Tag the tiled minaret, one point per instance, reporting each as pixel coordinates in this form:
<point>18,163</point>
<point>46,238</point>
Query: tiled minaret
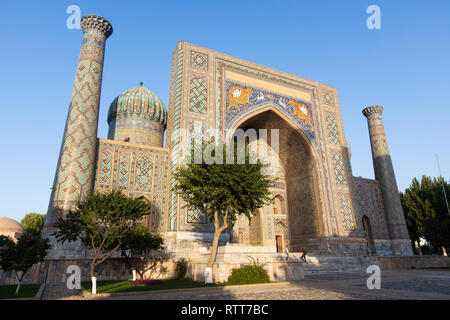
<point>74,177</point>
<point>384,174</point>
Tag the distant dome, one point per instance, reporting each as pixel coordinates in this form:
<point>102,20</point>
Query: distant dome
<point>10,227</point>
<point>140,101</point>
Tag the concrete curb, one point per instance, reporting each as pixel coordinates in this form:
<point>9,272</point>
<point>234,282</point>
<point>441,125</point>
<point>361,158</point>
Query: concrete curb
<point>86,293</point>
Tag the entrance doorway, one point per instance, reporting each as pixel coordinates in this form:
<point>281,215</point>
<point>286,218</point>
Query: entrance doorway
<point>279,242</point>
<point>369,237</point>
<point>301,177</point>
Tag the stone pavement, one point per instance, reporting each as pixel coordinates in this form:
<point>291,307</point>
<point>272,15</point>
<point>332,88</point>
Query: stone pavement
<point>408,284</point>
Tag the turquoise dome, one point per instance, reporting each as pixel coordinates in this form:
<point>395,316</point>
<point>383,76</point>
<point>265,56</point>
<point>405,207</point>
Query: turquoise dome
<point>138,101</point>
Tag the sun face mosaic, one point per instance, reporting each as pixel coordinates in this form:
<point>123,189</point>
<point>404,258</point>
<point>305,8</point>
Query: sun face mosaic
<point>241,98</point>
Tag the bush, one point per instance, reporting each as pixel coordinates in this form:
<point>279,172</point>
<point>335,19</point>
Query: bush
<point>145,282</point>
<point>181,269</point>
<point>249,274</point>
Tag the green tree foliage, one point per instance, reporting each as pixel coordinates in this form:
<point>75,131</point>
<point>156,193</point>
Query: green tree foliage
<point>142,249</point>
<point>101,221</point>
<point>426,211</point>
<point>225,191</point>
<point>20,256</point>
<point>33,221</point>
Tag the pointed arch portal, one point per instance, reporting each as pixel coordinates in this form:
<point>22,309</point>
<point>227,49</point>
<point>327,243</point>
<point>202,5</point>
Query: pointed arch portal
<point>297,157</point>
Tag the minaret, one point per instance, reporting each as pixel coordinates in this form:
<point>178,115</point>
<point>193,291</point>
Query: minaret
<point>74,177</point>
<point>384,174</point>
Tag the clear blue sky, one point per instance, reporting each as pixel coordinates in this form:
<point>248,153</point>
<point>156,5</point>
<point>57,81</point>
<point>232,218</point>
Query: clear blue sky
<point>405,67</point>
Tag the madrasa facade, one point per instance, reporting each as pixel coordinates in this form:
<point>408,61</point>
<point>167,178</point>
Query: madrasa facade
<point>319,206</point>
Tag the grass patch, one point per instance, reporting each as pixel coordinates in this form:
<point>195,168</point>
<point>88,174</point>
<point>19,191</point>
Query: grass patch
<point>125,286</point>
<point>26,291</point>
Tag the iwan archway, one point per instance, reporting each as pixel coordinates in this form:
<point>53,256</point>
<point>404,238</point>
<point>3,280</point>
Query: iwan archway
<point>298,180</point>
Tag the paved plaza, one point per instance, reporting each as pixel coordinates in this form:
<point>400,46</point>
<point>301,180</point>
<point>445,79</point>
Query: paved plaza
<point>395,285</point>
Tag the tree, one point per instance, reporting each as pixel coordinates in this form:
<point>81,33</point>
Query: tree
<point>142,249</point>
<point>225,191</point>
<point>426,211</point>
<point>33,221</point>
<point>101,221</point>
<point>20,256</point>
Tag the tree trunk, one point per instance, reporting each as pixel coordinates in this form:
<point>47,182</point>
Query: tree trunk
<point>444,251</point>
<point>420,248</point>
<point>215,245</point>
<point>19,279</point>
<point>217,231</point>
<point>92,268</point>
<point>18,287</point>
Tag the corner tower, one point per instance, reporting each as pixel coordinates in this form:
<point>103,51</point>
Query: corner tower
<point>74,177</point>
<point>384,174</point>
<point>137,116</point>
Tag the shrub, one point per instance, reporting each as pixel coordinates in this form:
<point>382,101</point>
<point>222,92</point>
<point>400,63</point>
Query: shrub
<point>249,274</point>
<point>146,282</point>
<point>181,269</point>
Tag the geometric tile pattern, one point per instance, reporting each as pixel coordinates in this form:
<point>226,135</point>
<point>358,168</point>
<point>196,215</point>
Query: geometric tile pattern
<point>328,98</point>
<point>198,95</point>
<point>199,60</point>
<point>333,135</point>
<point>75,171</point>
<point>177,89</point>
<point>105,168</point>
<point>197,130</point>
<point>139,171</point>
<point>194,216</point>
<point>144,172</point>
<point>339,169</point>
<point>346,213</point>
<point>367,200</point>
<point>123,171</point>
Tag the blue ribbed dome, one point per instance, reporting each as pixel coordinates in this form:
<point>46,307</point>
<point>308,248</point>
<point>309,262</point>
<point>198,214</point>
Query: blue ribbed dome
<point>138,101</point>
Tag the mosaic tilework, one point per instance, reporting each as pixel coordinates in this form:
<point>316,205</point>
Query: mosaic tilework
<point>105,169</point>
<point>198,95</point>
<point>242,98</point>
<point>328,98</point>
<point>199,60</point>
<point>339,169</point>
<point>197,130</point>
<point>143,172</point>
<point>138,171</point>
<point>307,220</point>
<point>173,133</point>
<point>123,170</point>
<point>75,171</point>
<point>348,221</point>
<point>196,217</point>
<point>138,116</point>
<point>367,200</point>
<point>384,173</point>
<point>332,130</point>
